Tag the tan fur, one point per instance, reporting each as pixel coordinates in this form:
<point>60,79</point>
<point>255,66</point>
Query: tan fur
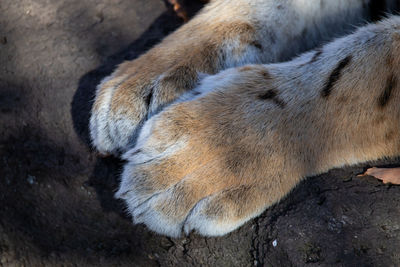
<point>243,138</point>
<point>248,142</point>
<point>225,34</point>
<point>138,87</point>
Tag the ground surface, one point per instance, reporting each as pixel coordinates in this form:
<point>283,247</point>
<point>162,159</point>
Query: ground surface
<point>56,205</point>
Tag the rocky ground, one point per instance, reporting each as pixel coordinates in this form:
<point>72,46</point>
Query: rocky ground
<point>56,204</point>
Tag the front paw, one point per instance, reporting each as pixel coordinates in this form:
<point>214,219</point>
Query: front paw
<point>141,88</point>
<point>190,171</point>
<point>128,97</point>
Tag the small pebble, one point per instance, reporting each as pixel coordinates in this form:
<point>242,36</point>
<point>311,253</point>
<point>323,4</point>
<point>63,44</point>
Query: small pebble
<point>31,179</point>
<point>275,243</point>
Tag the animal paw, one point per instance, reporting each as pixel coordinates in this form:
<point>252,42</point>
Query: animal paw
<point>139,89</point>
<point>194,168</point>
<point>129,96</point>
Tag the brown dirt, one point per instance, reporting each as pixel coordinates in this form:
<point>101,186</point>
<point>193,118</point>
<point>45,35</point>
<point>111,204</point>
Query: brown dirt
<point>56,204</point>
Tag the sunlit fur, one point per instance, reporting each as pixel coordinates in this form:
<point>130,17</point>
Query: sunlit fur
<point>225,34</point>
<point>216,159</point>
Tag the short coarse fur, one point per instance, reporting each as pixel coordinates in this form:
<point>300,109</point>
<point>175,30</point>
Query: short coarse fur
<point>215,161</point>
<point>225,34</point>
<point>243,138</point>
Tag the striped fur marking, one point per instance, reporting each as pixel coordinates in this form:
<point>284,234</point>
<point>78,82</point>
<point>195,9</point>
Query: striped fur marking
<point>335,76</point>
<point>273,95</point>
<point>386,94</point>
<point>318,53</point>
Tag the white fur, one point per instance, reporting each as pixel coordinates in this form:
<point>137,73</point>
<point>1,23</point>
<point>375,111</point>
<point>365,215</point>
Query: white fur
<point>203,225</point>
<point>99,121</point>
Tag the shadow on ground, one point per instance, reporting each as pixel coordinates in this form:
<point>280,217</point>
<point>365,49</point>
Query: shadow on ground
<point>105,176</point>
<point>56,196</point>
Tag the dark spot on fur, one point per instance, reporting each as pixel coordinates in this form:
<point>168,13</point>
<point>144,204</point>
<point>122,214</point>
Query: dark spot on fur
<point>136,152</point>
<point>377,9</point>
<point>273,95</point>
<point>265,74</point>
<point>148,98</point>
<point>387,92</point>
<point>257,45</point>
<point>196,93</point>
<point>318,53</point>
<point>335,76</point>
<point>316,56</point>
<point>268,95</point>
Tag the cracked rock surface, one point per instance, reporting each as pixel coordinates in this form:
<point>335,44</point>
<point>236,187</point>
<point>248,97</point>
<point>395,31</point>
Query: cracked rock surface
<point>56,204</point>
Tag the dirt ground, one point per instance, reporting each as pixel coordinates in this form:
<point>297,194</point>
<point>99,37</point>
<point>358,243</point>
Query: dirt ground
<point>56,204</point>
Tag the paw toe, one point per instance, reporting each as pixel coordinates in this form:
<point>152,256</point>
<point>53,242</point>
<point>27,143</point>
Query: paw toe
<point>115,116</point>
<point>225,211</point>
<point>176,180</point>
<point>99,129</point>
